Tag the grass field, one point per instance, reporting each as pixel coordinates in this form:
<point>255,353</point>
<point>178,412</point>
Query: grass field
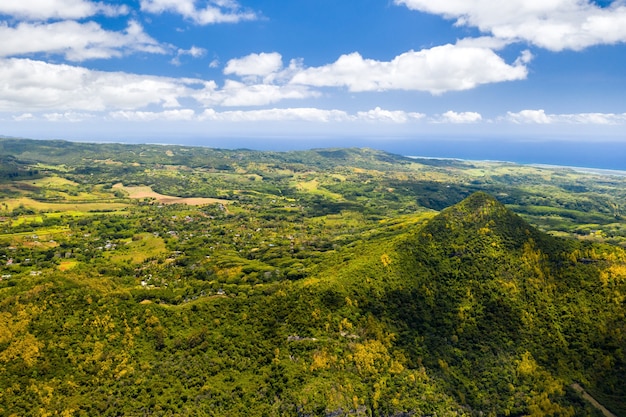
<point>51,182</point>
<point>140,248</point>
<point>141,192</point>
<point>313,187</point>
<point>41,236</point>
<point>29,203</point>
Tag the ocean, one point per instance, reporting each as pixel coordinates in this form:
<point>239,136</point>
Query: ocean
<point>598,154</point>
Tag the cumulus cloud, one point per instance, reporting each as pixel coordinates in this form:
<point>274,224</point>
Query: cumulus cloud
<point>70,116</point>
<point>274,115</point>
<point>555,25</point>
<point>463,117</point>
<point>594,118</point>
<point>28,85</point>
<point>530,116</point>
<point>76,41</point>
<point>58,9</point>
<point>255,64</point>
<point>302,114</point>
<point>23,117</point>
<point>306,114</point>
<point>436,70</point>
<point>147,116</point>
<point>215,11</point>
<point>310,115</point>
<point>235,93</point>
<point>394,116</point>
<point>540,117</point>
<point>194,52</point>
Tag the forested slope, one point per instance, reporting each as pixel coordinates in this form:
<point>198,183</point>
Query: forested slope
<point>472,312</point>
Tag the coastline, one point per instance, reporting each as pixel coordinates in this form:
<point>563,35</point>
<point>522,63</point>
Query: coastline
<point>586,170</point>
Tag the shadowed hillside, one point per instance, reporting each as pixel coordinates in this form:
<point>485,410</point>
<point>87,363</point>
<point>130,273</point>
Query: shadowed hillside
<point>509,316</point>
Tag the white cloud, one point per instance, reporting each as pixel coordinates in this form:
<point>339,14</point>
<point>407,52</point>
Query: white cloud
<point>488,42</point>
<point>235,93</point>
<point>551,24</point>
<point>377,117</point>
<point>70,116</point>
<point>436,70</point>
<point>540,117</point>
<point>58,9</point>
<point>312,115</point>
<point>594,118</point>
<point>28,85</point>
<point>146,116</point>
<point>255,64</point>
<point>381,115</point>
<point>463,117</point>
<point>529,116</point>
<point>194,52</point>
<point>215,11</point>
<point>307,114</point>
<point>273,115</point>
<point>76,41</point>
<point>23,117</point>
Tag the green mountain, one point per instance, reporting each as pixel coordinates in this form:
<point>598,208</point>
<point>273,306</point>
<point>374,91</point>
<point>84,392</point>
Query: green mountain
<point>492,297</point>
<point>473,312</point>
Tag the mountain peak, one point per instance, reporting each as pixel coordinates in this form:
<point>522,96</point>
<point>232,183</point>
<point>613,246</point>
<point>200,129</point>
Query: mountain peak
<point>480,203</point>
<point>476,210</point>
<point>480,216</point>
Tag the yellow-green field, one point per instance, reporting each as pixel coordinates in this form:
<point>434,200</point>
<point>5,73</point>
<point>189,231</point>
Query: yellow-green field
<point>40,237</point>
<point>141,192</point>
<point>41,206</point>
<point>138,249</point>
<point>313,187</point>
<point>51,182</point>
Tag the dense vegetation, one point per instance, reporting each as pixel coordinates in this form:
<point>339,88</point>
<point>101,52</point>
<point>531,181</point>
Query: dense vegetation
<point>154,280</point>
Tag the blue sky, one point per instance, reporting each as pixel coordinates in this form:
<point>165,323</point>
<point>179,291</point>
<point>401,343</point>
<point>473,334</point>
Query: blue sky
<point>304,73</point>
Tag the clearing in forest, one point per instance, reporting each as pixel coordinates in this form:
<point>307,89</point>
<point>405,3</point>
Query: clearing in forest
<point>140,192</point>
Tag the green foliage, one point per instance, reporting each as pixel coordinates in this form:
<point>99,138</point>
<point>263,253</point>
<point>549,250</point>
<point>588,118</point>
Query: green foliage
<point>327,286</point>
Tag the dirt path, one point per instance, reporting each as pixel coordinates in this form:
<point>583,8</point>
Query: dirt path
<point>592,400</point>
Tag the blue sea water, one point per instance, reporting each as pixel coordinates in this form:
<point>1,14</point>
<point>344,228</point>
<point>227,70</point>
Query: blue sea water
<point>599,154</point>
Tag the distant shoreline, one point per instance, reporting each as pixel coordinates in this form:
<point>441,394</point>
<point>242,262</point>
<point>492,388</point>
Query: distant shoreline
<point>599,160</point>
<point>588,170</point>
<point>599,171</point>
